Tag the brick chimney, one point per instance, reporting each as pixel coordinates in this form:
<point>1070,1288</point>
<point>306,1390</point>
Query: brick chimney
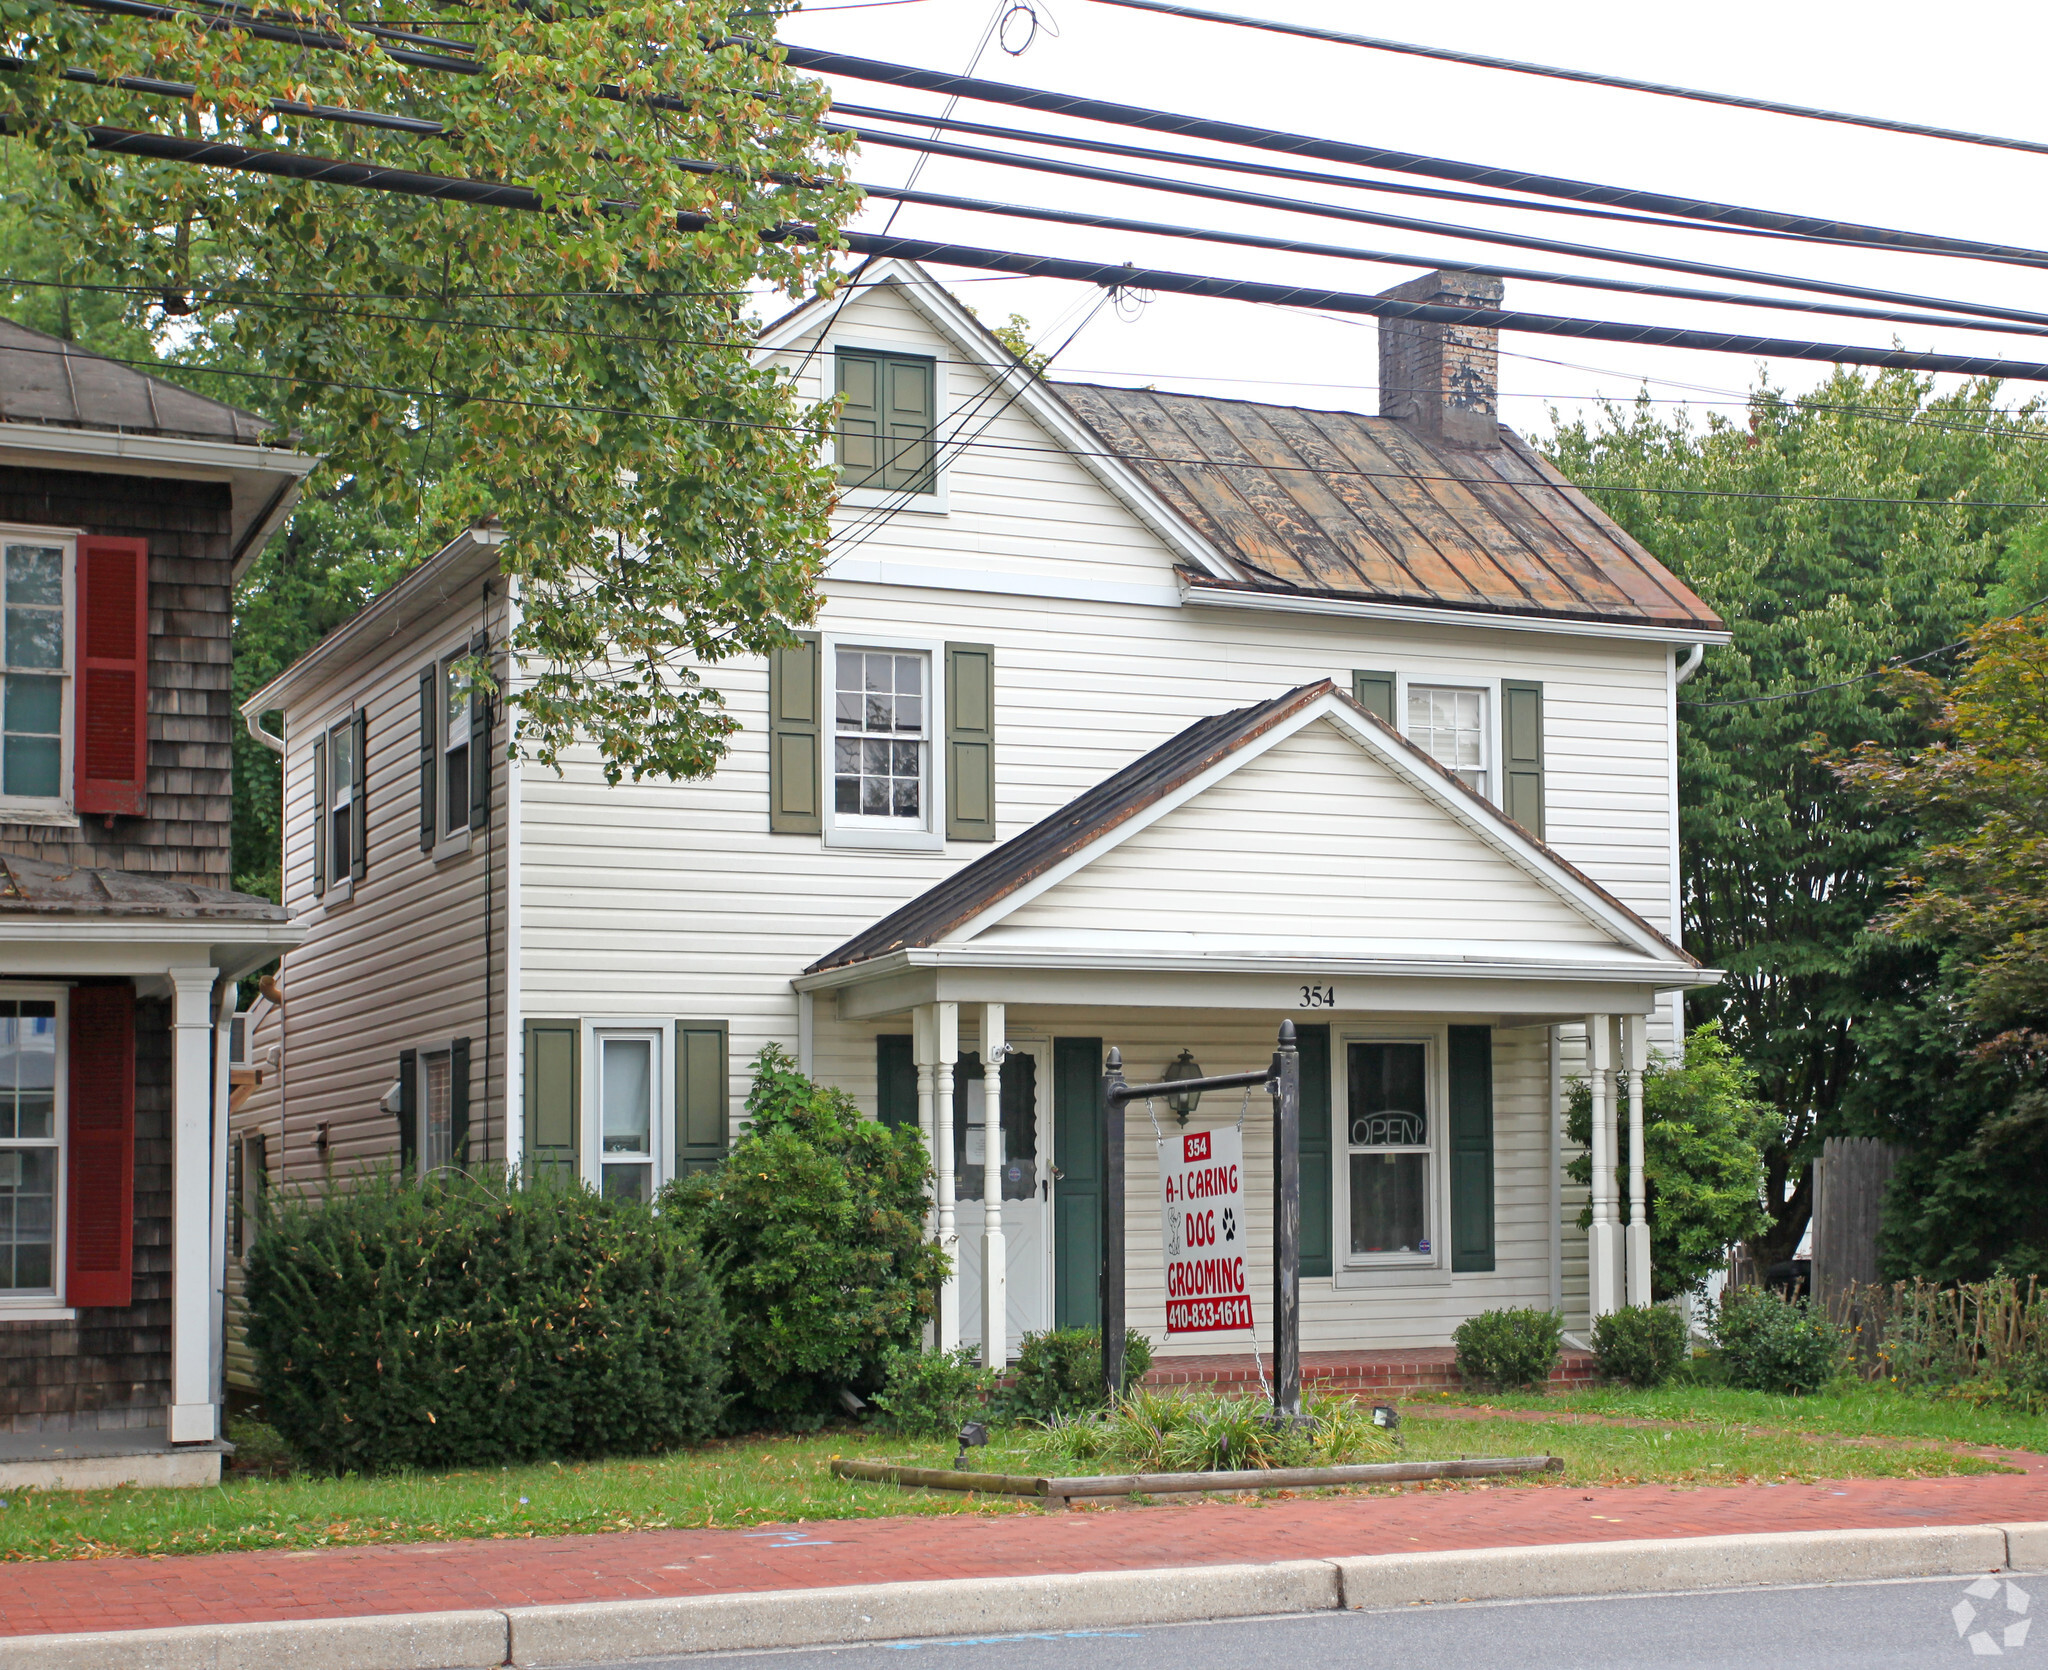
<point>1443,379</point>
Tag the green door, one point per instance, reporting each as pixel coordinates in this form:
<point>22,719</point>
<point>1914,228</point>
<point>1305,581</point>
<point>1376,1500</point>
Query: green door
<point>1077,1195</point>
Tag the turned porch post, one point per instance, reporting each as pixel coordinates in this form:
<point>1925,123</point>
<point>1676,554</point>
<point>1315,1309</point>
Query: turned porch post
<point>1635,1047</point>
<point>1603,1241</point>
<point>947,1016</point>
<point>995,1257</point>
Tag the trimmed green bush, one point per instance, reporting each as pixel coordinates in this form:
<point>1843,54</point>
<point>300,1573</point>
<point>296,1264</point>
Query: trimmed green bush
<point>460,1322</point>
<point>1059,1372</point>
<point>1509,1347</point>
<point>814,1225</point>
<point>1771,1344</point>
<point>929,1394</point>
<point>1640,1344</point>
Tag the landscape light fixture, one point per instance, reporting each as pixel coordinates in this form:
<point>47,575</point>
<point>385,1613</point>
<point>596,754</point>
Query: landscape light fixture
<point>972,1432</point>
<point>1181,1103</point>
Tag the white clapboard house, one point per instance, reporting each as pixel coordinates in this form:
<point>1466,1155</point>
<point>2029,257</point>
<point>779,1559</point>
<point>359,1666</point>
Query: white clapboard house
<point>1129,718</point>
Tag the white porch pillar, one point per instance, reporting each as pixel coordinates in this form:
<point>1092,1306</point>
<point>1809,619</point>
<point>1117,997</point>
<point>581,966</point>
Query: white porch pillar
<point>1635,1032</point>
<point>948,1038</point>
<point>193,1415</point>
<point>1603,1240</point>
<point>995,1256</point>
<point>924,1053</point>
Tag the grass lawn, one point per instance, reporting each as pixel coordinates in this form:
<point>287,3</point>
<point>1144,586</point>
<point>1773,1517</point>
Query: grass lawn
<point>1701,1436</point>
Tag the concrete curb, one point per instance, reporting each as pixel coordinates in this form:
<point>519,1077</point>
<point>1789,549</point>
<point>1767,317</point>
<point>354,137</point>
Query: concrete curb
<point>627,1629</point>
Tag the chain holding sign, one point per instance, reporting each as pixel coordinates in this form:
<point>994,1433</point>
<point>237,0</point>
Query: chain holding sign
<point>1201,1179</point>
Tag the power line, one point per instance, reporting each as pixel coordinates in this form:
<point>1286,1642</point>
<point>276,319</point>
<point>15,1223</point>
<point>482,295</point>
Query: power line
<point>1393,161</point>
<point>1883,124</point>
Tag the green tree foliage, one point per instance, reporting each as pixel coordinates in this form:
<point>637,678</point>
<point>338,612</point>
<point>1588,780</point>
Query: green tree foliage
<point>583,373</point>
<point>1972,1195</point>
<point>815,1223</point>
<point>459,1322</point>
<point>1705,1134</point>
<point>1782,870</point>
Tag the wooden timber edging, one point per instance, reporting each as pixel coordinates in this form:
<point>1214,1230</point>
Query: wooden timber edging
<point>1062,1491</point>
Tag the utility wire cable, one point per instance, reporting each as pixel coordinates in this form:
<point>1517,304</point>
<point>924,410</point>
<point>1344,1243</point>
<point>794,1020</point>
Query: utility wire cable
<point>1480,60</point>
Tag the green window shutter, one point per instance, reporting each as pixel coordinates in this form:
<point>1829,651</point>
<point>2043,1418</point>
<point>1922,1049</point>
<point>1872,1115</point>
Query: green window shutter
<point>429,741</point>
<point>970,742</point>
<point>1316,1199</point>
<point>1521,733</point>
<point>458,1100</point>
<point>408,1112</point>
<point>701,1119</point>
<point>554,1083</point>
<point>1471,1143</point>
<point>359,799</point>
<point>479,743</point>
<point>794,767</point>
<point>320,813</point>
<point>895,1080</point>
<point>1375,693</point>
<point>861,382</point>
<point>887,415</point>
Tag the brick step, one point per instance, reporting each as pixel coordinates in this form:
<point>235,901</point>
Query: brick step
<point>1419,1369</point>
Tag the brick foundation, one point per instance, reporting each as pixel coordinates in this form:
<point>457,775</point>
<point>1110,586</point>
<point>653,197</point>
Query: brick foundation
<point>1421,1369</point>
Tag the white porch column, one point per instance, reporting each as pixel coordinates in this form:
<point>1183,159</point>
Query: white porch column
<point>948,1038</point>
<point>924,1053</point>
<point>1603,1240</point>
<point>193,1416</point>
<point>1635,1032</point>
<point>995,1256</point>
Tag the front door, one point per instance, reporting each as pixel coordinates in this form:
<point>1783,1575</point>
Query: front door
<point>1076,1182</point>
<point>1026,1192</point>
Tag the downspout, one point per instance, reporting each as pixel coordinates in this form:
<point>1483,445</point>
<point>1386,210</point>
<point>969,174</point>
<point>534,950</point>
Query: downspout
<point>1691,663</point>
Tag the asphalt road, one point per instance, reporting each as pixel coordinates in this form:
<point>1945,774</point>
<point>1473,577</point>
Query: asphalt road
<point>1864,1626</point>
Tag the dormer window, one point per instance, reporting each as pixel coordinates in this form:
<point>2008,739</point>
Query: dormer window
<point>32,654</point>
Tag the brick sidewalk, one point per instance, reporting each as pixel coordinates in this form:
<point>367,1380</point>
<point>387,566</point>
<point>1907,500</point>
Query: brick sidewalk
<point>126,1593</point>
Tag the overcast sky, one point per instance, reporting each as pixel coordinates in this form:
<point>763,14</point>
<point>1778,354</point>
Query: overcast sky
<point>1973,66</point>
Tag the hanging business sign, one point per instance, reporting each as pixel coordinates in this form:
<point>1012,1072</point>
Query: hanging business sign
<point>1207,1280</point>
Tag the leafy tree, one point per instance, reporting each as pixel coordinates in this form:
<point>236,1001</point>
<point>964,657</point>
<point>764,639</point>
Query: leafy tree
<point>582,371</point>
<point>1704,1137</point>
<point>1782,525</point>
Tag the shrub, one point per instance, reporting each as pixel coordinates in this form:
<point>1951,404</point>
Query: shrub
<point>1509,1347</point>
<point>815,1226</point>
<point>1060,1372</point>
<point>1641,1344</point>
<point>929,1394</point>
<point>1182,1432</point>
<point>459,1322</point>
<point>1772,1344</point>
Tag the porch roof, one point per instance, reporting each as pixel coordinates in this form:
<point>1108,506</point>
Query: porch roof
<point>63,920</point>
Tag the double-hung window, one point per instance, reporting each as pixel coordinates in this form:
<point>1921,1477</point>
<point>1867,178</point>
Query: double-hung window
<point>1391,1181</point>
<point>1450,725</point>
<point>33,657</point>
<point>29,1146</point>
<point>341,790</point>
<point>456,696</point>
<point>629,1096</point>
<point>437,1110</point>
<point>881,753</point>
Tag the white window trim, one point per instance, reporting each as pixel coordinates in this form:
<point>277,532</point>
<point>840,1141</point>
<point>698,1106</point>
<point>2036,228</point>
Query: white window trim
<point>938,502</point>
<point>54,811</point>
<point>1361,1269</point>
<point>663,1110</point>
<point>1489,688</point>
<point>932,837</point>
<point>340,888</point>
<point>50,1306</point>
<point>448,843</point>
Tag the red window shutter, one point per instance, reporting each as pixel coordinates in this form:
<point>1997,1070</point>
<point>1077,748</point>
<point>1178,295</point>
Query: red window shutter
<point>100,1158</point>
<point>112,739</point>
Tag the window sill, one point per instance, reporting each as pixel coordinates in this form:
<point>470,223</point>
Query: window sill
<point>47,1311</point>
<point>884,840</point>
<point>903,504</point>
<point>40,817</point>
<point>1393,1275</point>
<point>455,845</point>
<point>338,893</point>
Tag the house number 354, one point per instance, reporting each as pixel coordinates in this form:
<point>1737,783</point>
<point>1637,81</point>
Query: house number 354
<point>1319,997</point>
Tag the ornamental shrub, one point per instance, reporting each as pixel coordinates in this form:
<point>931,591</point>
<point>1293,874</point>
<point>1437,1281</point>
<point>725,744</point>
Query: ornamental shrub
<point>1509,1347</point>
<point>1640,1344</point>
<point>929,1394</point>
<point>1773,1344</point>
<point>815,1226</point>
<point>464,1321</point>
<point>1059,1372</point>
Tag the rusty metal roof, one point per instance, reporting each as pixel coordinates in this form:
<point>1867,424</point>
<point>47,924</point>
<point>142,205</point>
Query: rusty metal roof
<point>33,887</point>
<point>1340,504</point>
<point>44,379</point>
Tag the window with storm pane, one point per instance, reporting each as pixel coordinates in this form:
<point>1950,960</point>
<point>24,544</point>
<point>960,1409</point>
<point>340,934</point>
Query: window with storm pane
<point>882,717</point>
<point>31,670</point>
<point>1387,1103</point>
<point>1450,727</point>
<point>28,1146</point>
<point>626,1089</point>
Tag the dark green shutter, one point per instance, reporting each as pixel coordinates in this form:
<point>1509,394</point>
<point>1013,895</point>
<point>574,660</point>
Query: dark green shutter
<point>408,1112</point>
<point>860,420</point>
<point>970,742</point>
<point>458,1101</point>
<point>701,1122</point>
<point>895,1080</point>
<point>1521,732</point>
<point>479,741</point>
<point>320,813</point>
<point>1375,693</point>
<point>430,737</point>
<point>554,1083</point>
<point>1077,1194</point>
<point>1471,1141</point>
<point>794,768</point>
<point>1316,1200</point>
<point>359,798</point>
<point>887,415</point>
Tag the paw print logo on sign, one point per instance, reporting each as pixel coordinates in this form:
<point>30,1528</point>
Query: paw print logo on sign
<point>1229,1224</point>
<point>2004,1628</point>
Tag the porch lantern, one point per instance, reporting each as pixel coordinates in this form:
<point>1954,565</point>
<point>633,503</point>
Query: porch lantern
<point>1181,1103</point>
